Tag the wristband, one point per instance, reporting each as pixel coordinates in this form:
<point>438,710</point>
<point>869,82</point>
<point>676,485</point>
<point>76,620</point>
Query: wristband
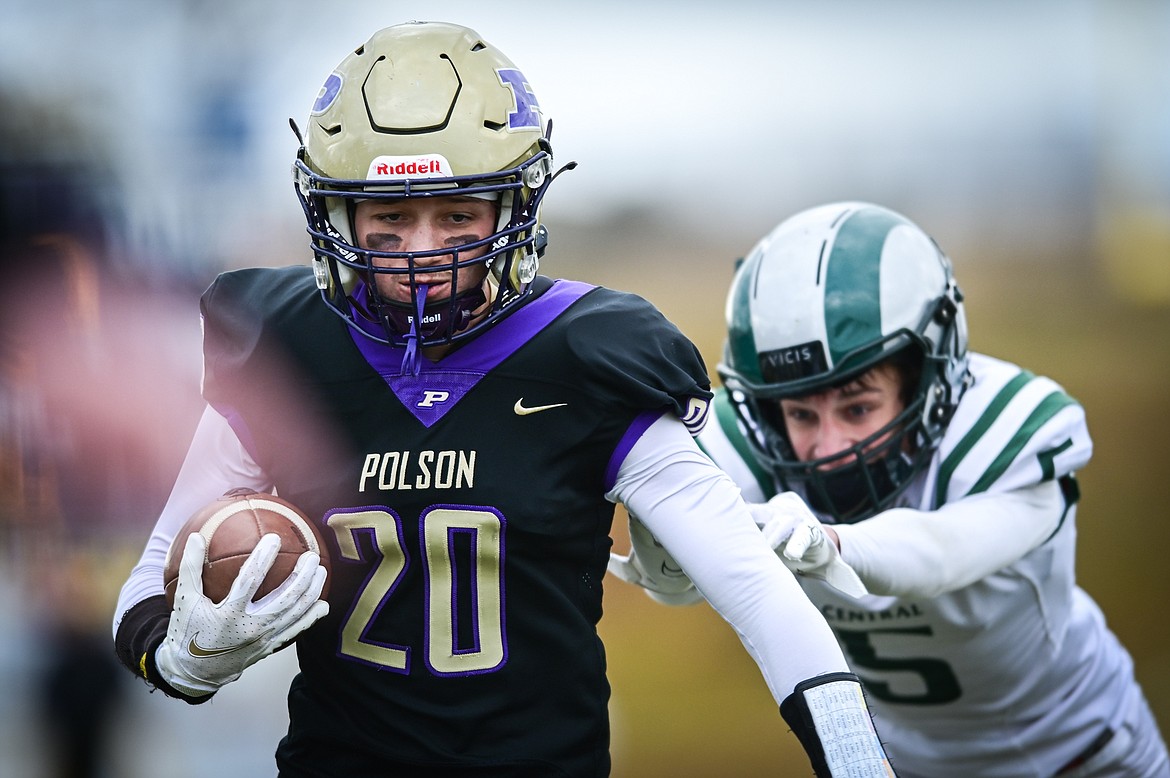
<point>829,716</point>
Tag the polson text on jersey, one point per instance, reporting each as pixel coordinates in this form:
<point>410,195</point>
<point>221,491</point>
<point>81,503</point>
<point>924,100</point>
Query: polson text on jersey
<point>402,470</point>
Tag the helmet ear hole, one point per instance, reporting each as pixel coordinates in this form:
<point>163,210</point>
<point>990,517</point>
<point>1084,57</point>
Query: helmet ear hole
<point>945,313</point>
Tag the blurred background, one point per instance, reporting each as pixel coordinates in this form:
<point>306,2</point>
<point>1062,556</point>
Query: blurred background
<point>145,146</point>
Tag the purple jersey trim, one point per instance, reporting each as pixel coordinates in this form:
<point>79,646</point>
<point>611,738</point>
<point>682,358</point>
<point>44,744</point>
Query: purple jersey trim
<point>440,385</point>
<point>633,433</point>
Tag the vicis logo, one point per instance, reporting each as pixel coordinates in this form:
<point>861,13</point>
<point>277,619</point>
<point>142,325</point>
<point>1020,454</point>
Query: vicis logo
<point>789,356</point>
<point>799,361</point>
<point>425,166</point>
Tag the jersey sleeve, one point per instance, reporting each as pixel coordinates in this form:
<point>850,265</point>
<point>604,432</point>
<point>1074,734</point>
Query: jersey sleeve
<point>1013,429</point>
<point>233,313</point>
<point>640,356</point>
<point>261,360</point>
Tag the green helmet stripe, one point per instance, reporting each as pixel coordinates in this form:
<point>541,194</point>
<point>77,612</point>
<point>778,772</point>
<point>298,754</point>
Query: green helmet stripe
<point>853,311</point>
<point>741,339</point>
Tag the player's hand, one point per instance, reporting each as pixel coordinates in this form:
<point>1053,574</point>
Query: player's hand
<point>650,566</point>
<point>802,544</point>
<point>210,644</point>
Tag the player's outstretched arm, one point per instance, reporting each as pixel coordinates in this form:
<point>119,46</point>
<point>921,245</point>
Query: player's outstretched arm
<point>209,644</point>
<point>911,553</point>
<point>697,513</point>
<point>789,527</point>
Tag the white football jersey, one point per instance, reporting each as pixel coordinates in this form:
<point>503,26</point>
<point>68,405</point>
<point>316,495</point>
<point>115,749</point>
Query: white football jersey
<point>1015,674</point>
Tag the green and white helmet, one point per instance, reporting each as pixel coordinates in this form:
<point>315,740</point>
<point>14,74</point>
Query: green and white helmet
<point>423,109</point>
<point>825,296</point>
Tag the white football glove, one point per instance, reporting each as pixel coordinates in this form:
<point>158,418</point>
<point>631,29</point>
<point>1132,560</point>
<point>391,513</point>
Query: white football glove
<point>210,644</point>
<point>800,541</point>
<point>651,567</point>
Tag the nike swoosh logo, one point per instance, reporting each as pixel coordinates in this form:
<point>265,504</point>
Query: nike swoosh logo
<point>522,410</point>
<point>194,649</point>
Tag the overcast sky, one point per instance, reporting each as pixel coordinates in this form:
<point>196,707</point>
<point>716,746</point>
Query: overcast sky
<point>726,113</point>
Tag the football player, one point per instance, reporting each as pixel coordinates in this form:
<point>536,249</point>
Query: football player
<point>462,428</point>
<point>940,543</point>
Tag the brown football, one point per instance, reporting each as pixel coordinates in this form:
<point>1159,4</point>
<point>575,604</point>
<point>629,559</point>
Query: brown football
<point>233,524</point>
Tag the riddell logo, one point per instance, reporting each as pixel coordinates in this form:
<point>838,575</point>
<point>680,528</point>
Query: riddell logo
<point>423,168</point>
<point>426,166</point>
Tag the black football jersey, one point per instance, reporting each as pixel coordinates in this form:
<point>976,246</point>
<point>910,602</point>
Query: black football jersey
<point>464,514</point>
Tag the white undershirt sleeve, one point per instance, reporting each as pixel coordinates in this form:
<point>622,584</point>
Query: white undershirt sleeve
<point>905,552</point>
<point>216,462</point>
<point>698,515</point>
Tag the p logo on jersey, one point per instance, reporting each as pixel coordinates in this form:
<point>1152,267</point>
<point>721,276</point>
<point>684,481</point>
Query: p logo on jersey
<point>431,398</point>
<point>435,395</point>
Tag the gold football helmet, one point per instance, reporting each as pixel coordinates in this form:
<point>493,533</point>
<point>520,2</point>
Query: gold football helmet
<point>424,109</point>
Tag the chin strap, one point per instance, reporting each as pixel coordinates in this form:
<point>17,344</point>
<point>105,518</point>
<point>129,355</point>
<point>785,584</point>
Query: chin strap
<point>409,323</point>
<point>411,360</point>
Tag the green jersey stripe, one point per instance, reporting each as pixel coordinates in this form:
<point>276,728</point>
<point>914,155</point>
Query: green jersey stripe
<point>994,409</point>
<point>1047,459</point>
<point>1048,407</point>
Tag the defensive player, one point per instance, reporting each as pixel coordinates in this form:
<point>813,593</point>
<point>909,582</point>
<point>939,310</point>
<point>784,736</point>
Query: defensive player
<point>945,481</point>
<point>461,427</point>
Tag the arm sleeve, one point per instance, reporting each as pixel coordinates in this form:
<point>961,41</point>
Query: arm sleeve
<point>215,463</point>
<point>698,515</point>
<point>905,552</point>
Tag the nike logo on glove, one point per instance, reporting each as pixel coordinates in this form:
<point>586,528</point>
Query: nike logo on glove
<point>522,410</point>
<point>196,650</point>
